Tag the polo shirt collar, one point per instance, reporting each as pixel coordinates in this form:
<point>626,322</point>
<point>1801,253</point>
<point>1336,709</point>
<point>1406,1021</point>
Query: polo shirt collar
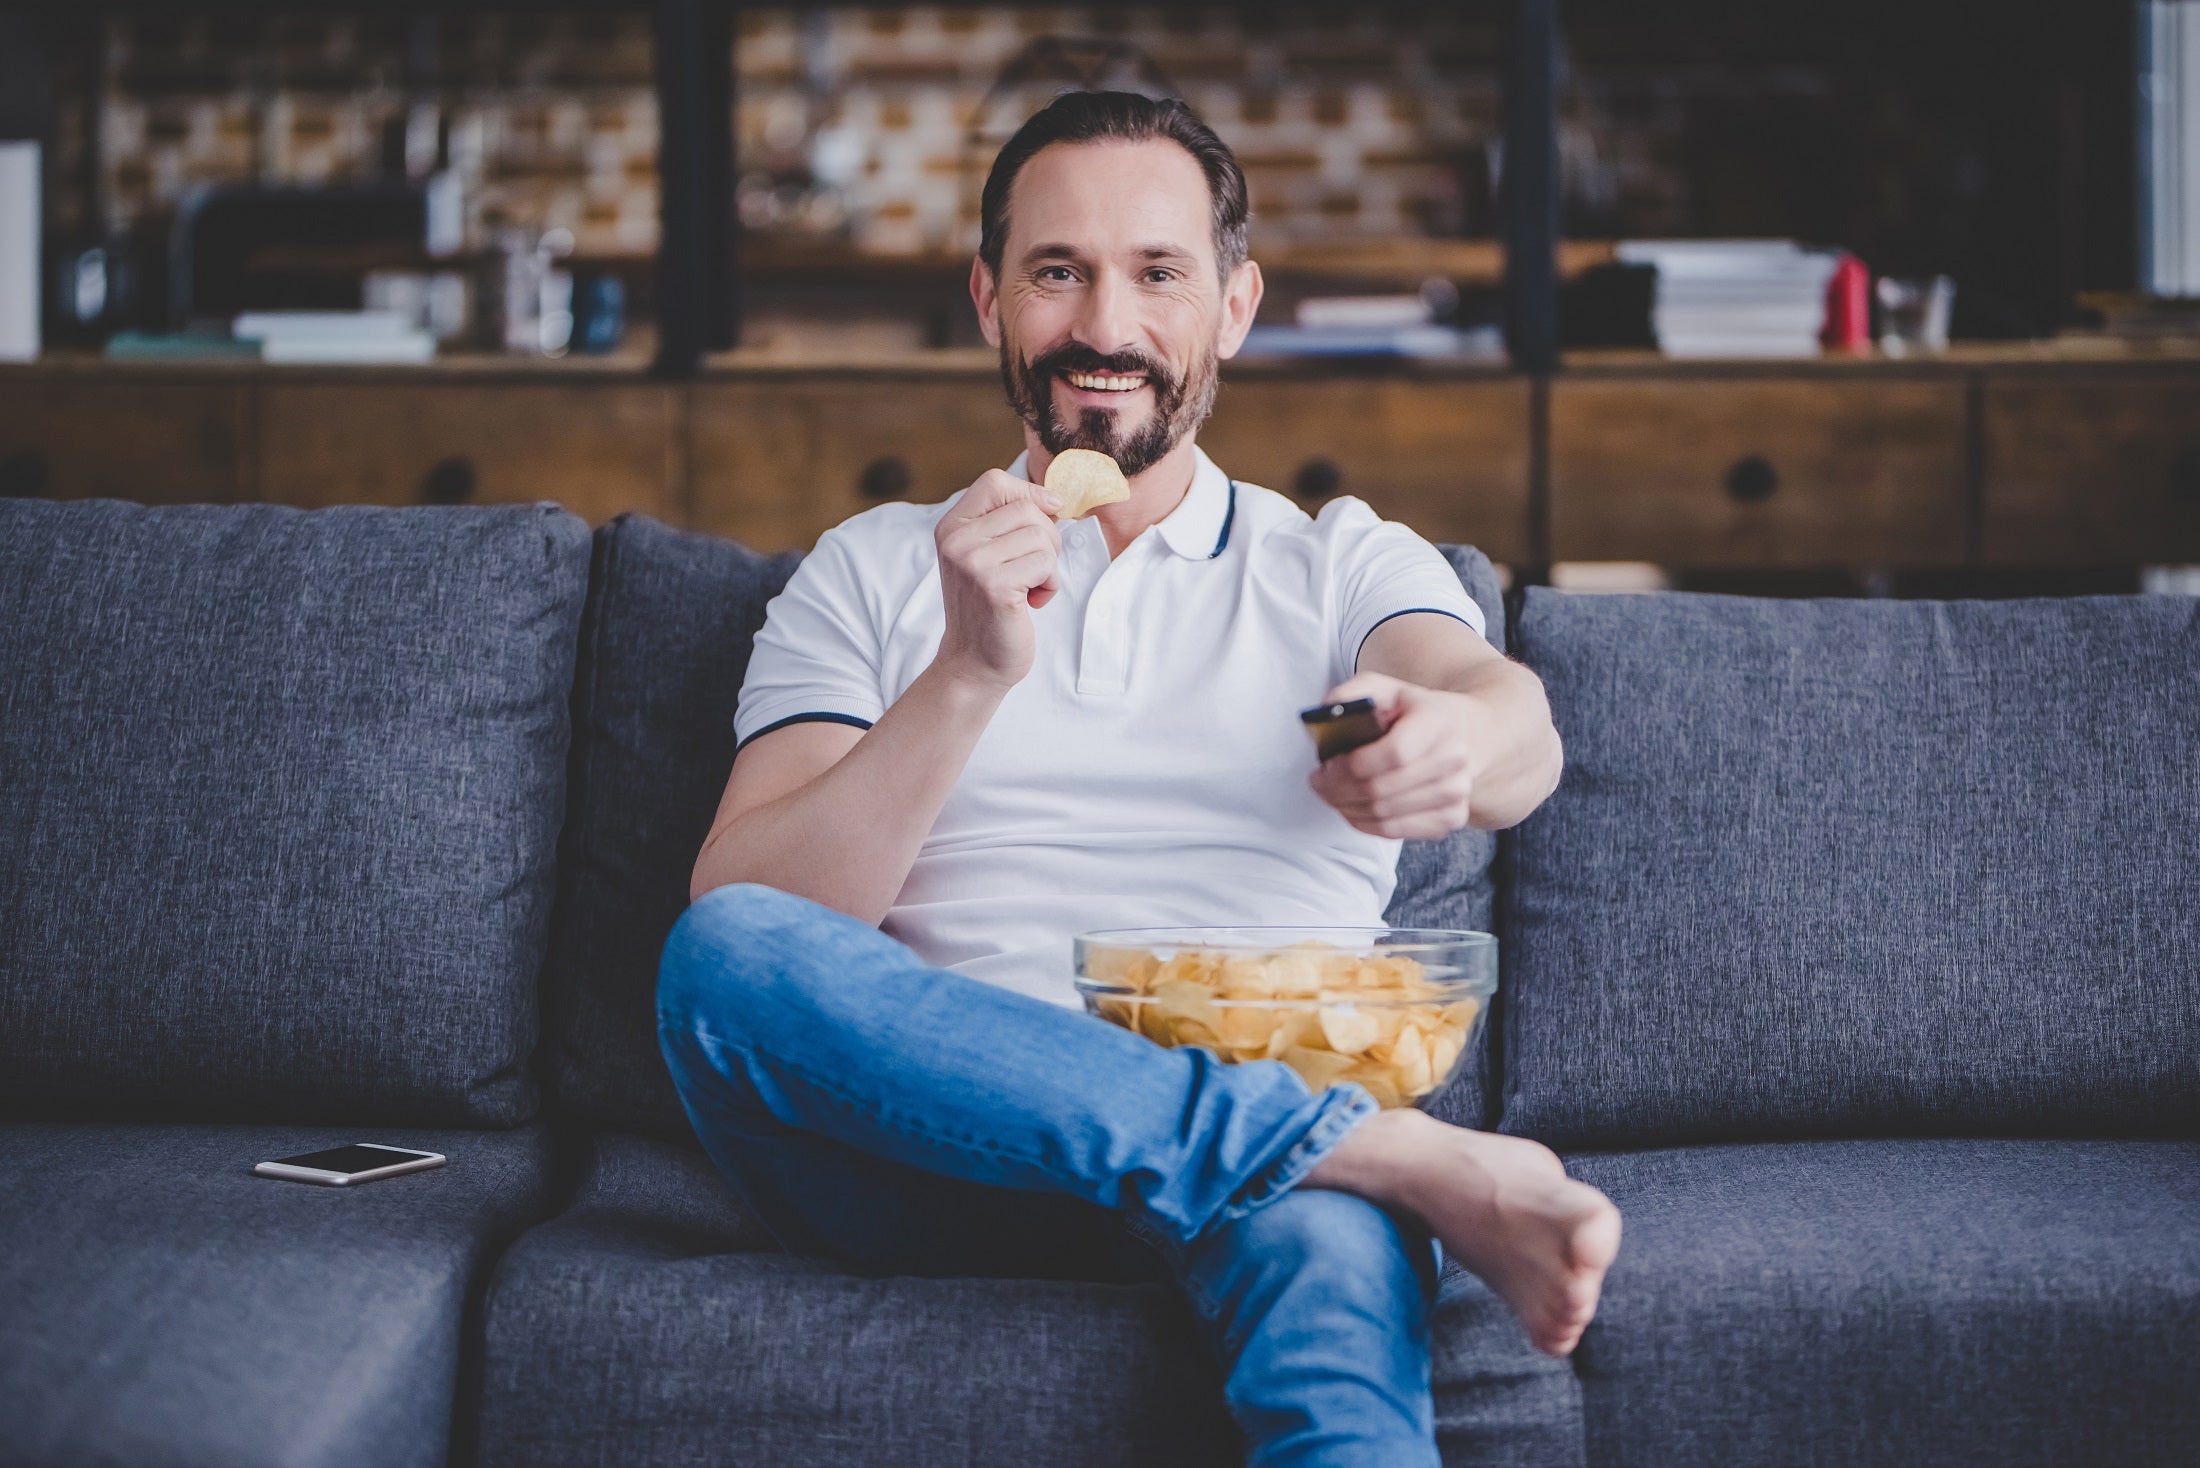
<point>1197,528</point>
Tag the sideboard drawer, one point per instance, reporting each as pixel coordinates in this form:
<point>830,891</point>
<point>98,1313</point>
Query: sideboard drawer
<point>597,449</point>
<point>778,462</point>
<point>1753,472</point>
<point>2103,471</point>
<point>153,441</point>
<point>1449,458</point>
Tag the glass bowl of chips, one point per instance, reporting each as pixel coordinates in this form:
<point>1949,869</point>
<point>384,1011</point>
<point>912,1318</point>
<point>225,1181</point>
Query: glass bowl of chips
<point>1393,1009</point>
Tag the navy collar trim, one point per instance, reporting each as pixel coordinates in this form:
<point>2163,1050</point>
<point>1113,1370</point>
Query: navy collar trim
<point>1228,516</point>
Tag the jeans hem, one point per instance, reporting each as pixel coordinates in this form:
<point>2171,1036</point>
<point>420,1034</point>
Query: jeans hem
<point>1345,1106</point>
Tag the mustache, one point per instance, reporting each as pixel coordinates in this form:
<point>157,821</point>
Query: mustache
<point>1077,357</point>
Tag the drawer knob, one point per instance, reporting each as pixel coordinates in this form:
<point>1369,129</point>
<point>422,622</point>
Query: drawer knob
<point>22,474</point>
<point>1317,479</point>
<point>885,479</point>
<point>1752,479</point>
<point>2184,478</point>
<point>450,482</point>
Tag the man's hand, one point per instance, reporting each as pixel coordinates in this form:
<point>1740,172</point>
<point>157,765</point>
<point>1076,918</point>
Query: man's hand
<point>998,548</point>
<point>1417,781</point>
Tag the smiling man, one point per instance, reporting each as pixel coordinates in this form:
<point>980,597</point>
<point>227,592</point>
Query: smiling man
<point>969,732</point>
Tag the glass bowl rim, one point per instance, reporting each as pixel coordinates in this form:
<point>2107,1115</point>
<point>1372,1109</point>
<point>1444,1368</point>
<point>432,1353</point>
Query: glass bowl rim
<point>1452,991</point>
<point>1422,939</point>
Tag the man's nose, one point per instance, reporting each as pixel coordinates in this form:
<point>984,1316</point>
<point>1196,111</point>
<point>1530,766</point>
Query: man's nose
<point>1108,323</point>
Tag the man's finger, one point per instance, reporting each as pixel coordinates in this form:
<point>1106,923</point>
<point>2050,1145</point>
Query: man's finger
<point>1003,518</point>
<point>1404,742</point>
<point>1436,766</point>
<point>1354,799</point>
<point>1379,686</point>
<point>998,487</point>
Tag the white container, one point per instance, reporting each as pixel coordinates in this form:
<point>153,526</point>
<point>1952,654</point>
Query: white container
<point>19,230</point>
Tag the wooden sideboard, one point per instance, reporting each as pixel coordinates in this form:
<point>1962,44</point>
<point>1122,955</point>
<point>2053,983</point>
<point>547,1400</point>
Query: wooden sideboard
<point>2040,455</point>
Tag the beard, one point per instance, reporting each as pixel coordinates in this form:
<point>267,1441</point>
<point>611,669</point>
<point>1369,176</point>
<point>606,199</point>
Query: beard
<point>1180,405</point>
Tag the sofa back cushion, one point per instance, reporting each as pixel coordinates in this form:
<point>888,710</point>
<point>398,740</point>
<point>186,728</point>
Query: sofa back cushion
<point>279,801</point>
<point>665,646</point>
<point>1858,867</point>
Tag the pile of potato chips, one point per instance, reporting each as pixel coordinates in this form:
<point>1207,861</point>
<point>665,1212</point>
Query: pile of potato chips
<point>1330,1015</point>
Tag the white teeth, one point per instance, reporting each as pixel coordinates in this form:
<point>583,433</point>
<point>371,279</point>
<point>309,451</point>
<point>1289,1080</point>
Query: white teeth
<point>1093,382</point>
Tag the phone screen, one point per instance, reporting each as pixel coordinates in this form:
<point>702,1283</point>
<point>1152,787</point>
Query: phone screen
<point>354,1158</point>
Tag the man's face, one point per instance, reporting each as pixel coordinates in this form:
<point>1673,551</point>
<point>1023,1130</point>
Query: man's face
<point>1109,312</point>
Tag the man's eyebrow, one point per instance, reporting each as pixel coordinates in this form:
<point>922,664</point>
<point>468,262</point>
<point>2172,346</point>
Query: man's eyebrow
<point>1052,252</point>
<point>1072,252</point>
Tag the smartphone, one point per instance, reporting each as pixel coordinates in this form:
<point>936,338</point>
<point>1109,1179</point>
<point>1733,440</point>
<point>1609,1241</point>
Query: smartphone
<point>340,1167</point>
<point>1339,728</point>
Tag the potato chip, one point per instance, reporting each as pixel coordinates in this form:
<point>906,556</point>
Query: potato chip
<point>1247,1026</point>
<point>1348,1028</point>
<point>1318,1068</point>
<point>1443,1052</point>
<point>1085,480</point>
<point>1292,1028</point>
<point>1378,1084</point>
<point>1377,1020</point>
<point>1409,1063</point>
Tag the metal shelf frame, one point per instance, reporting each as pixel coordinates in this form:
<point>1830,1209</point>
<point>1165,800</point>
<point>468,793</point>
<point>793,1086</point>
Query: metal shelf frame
<point>698,290</point>
<point>699,305</point>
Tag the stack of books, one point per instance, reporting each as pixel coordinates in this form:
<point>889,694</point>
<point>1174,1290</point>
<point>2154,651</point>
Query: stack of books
<point>1372,326</point>
<point>1735,298</point>
<point>334,336</point>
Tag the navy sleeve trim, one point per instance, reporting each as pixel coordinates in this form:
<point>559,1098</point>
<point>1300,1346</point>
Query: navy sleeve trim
<point>849,719</point>
<point>1403,612</point>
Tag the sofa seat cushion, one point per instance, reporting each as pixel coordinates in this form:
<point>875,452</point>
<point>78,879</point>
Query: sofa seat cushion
<point>664,648</point>
<point>650,1323</point>
<point>1858,868</point>
<point>280,793</point>
<point>165,1306</point>
<point>1947,1302</point>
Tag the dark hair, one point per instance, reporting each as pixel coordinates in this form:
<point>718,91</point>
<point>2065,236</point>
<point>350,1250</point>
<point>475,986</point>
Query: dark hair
<point>1124,117</point>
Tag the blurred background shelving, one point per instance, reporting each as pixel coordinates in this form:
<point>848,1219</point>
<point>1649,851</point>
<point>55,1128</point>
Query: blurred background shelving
<point>780,202</point>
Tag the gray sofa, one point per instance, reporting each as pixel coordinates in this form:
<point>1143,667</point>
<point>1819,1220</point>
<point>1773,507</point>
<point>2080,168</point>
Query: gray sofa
<point>1857,958</point>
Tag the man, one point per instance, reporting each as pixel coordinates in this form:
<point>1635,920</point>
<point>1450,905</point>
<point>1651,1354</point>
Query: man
<point>968,733</point>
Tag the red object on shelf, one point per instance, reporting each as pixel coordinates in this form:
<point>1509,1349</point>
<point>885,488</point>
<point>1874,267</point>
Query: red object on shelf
<point>1848,308</point>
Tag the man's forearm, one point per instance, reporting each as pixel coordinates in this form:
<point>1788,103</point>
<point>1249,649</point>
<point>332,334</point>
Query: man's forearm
<point>848,838</point>
<point>1523,754</point>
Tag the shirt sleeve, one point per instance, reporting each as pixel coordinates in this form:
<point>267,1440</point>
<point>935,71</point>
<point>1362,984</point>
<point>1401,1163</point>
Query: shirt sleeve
<point>1382,569</point>
<point>817,657</point>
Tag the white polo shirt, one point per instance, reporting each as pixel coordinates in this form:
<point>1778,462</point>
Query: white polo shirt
<point>1151,768</point>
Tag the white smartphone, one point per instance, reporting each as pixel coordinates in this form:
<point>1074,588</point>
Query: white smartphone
<point>340,1167</point>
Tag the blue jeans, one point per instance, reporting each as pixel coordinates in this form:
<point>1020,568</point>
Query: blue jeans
<point>910,1120</point>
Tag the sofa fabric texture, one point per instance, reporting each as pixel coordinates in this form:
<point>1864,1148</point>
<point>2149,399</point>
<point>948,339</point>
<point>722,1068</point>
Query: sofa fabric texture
<point>279,801</point>
<point>651,1323</point>
<point>1858,867</point>
<point>664,647</point>
<point>1960,1303</point>
<point>165,1305</point>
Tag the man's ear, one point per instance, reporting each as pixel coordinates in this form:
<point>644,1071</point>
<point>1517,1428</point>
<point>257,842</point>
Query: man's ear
<point>1240,300</point>
<point>986,298</point>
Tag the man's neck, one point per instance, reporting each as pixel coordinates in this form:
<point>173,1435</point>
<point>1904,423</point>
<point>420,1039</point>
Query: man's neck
<point>1154,493</point>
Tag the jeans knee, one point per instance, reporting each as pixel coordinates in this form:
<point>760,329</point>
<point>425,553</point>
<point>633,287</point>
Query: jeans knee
<point>1348,1249</point>
<point>703,950</point>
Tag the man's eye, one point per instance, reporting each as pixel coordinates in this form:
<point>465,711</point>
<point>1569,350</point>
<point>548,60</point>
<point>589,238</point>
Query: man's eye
<point>1055,274</point>
<point>1160,275</point>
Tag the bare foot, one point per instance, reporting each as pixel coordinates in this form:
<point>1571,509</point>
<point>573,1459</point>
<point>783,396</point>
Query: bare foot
<point>1503,1207</point>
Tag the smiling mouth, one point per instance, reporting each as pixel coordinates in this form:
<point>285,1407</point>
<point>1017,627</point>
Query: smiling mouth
<point>1104,381</point>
